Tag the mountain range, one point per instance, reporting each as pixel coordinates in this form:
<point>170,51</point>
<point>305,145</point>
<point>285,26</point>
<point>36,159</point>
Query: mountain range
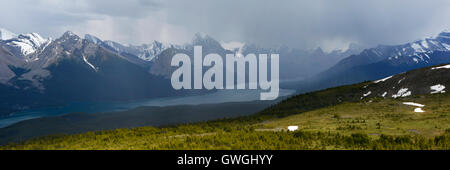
<point>381,61</point>
<point>38,72</point>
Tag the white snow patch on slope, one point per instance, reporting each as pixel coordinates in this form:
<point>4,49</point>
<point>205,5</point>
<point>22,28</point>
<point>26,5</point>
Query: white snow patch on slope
<point>36,39</point>
<point>384,79</point>
<point>292,128</point>
<point>366,94</point>
<point>437,89</point>
<point>417,48</point>
<point>424,43</point>
<point>29,43</point>
<point>87,62</point>
<point>25,48</point>
<point>384,94</point>
<point>446,66</point>
<point>413,104</point>
<point>50,40</point>
<point>403,92</point>
<point>419,110</point>
<point>446,46</point>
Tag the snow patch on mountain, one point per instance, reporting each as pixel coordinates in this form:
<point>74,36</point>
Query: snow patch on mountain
<point>28,43</point>
<point>383,79</point>
<point>446,46</point>
<point>424,44</point>
<point>148,52</point>
<point>417,48</point>
<point>114,45</point>
<point>437,89</point>
<point>419,110</point>
<point>6,35</point>
<point>366,94</point>
<point>92,38</point>
<point>413,104</point>
<point>417,51</point>
<point>446,66</point>
<point>88,63</point>
<point>403,92</point>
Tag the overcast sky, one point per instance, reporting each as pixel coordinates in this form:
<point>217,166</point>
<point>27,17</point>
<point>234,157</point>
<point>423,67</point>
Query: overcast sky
<point>300,23</point>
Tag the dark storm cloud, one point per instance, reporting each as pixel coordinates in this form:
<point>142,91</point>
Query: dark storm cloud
<point>129,8</point>
<point>300,23</point>
<point>305,24</point>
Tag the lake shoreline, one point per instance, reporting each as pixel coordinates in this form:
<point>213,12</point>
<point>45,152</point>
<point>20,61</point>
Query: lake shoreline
<point>223,96</point>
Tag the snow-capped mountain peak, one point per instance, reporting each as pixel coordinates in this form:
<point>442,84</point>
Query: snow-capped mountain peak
<point>70,35</point>
<point>6,35</point>
<point>152,50</point>
<point>146,52</point>
<point>34,38</point>
<point>70,41</point>
<point>444,37</point>
<point>413,50</point>
<point>26,44</point>
<point>92,38</point>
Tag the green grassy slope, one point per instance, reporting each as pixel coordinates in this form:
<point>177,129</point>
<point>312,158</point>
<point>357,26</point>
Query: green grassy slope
<point>375,117</point>
<point>328,119</point>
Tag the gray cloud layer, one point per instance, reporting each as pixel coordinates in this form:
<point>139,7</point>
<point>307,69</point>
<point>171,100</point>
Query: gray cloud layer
<point>301,23</point>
